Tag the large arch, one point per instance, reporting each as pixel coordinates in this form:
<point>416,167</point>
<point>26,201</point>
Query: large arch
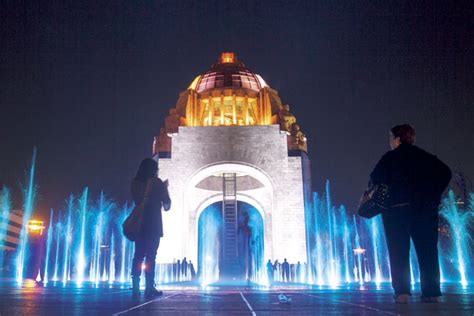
<point>250,254</point>
<point>195,202</point>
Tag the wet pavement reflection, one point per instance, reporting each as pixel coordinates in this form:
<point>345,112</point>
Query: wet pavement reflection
<point>190,299</point>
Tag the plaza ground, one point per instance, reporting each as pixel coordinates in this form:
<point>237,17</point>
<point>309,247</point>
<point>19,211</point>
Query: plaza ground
<point>89,299</point>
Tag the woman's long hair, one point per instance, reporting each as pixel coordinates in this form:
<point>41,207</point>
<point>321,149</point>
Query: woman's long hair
<point>147,169</point>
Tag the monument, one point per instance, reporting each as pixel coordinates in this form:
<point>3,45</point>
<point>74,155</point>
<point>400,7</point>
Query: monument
<point>231,143</point>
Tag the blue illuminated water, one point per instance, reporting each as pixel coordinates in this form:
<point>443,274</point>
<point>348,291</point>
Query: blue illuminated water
<point>48,248</point>
<point>459,224</point>
<point>370,263</point>
<point>210,223</point>
<point>83,242</point>
<point>29,199</point>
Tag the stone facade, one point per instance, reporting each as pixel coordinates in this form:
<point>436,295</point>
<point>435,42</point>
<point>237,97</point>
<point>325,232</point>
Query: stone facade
<point>259,152</point>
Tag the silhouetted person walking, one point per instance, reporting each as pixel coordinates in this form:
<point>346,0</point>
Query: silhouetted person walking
<point>298,272</point>
<point>148,188</point>
<point>178,270</point>
<point>285,271</point>
<point>416,180</point>
<point>270,271</point>
<point>184,268</point>
<point>191,270</point>
<point>276,270</point>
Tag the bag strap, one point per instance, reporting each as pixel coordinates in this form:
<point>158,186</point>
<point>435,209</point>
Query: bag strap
<point>146,195</point>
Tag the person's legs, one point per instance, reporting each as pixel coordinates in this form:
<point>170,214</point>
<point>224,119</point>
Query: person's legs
<point>150,257</point>
<point>424,232</point>
<point>396,226</point>
<point>138,256</point>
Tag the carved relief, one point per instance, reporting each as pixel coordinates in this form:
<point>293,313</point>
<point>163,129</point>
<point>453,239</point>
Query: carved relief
<point>162,142</point>
<point>286,118</point>
<point>172,121</point>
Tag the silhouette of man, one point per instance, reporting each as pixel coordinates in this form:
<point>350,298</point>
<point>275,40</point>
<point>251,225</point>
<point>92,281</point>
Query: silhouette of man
<point>286,270</point>
<point>184,267</point>
<point>191,270</point>
<point>416,180</point>
<point>178,270</point>
<point>270,271</point>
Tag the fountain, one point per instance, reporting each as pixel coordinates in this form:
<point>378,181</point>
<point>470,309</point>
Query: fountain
<point>84,243</point>
<point>29,197</point>
<point>209,223</point>
<point>459,221</point>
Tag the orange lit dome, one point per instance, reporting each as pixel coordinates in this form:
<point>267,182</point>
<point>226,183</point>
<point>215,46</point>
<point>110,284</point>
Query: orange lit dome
<point>229,94</point>
<point>228,72</point>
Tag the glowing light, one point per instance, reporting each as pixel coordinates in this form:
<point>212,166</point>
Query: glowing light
<point>359,251</point>
<point>227,58</point>
<point>193,84</point>
<point>35,226</point>
<point>30,283</point>
<point>261,81</point>
<point>38,277</point>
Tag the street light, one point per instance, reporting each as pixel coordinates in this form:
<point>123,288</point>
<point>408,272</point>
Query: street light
<point>35,227</point>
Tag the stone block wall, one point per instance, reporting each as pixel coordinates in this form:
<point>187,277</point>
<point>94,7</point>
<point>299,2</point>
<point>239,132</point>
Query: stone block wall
<point>258,151</point>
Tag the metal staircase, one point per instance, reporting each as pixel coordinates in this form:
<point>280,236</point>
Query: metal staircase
<point>229,209</point>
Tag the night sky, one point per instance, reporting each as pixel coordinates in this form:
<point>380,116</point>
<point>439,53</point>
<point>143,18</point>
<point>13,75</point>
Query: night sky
<point>90,84</point>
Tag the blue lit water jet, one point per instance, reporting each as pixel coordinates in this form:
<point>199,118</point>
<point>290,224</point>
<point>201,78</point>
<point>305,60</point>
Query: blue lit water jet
<point>459,221</point>
<point>358,269</point>
<point>347,245</point>
<point>48,247</point>
<point>210,222</point>
<point>68,242</point>
<point>29,197</point>
<point>414,271</point>
<point>318,249</point>
<point>56,257</point>
<point>334,276</point>
<point>94,274</point>
<point>254,249</point>
<point>82,246</point>
<point>81,256</point>
<point>124,246</point>
<point>112,260</point>
<point>375,224</point>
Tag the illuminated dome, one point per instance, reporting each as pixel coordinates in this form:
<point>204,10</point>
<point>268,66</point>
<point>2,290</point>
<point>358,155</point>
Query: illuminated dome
<point>228,72</point>
<point>229,94</point>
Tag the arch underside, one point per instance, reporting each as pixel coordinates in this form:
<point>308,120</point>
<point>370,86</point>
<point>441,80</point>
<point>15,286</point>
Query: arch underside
<point>198,199</point>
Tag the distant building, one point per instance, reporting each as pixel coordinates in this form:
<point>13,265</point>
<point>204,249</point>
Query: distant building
<point>14,224</point>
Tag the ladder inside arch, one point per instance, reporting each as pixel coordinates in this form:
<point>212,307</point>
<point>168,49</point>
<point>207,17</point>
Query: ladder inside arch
<point>229,210</point>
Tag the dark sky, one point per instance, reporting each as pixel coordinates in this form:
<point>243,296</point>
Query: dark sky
<point>90,84</point>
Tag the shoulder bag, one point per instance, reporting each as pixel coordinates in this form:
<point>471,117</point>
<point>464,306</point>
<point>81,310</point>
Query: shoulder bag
<point>374,201</point>
<point>132,226</point>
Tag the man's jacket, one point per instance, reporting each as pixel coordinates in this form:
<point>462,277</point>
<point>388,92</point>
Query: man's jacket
<point>413,176</point>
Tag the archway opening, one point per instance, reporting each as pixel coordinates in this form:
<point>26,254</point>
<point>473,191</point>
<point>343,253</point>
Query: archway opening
<point>250,230</point>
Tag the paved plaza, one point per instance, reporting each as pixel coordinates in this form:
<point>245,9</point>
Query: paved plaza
<point>230,300</point>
